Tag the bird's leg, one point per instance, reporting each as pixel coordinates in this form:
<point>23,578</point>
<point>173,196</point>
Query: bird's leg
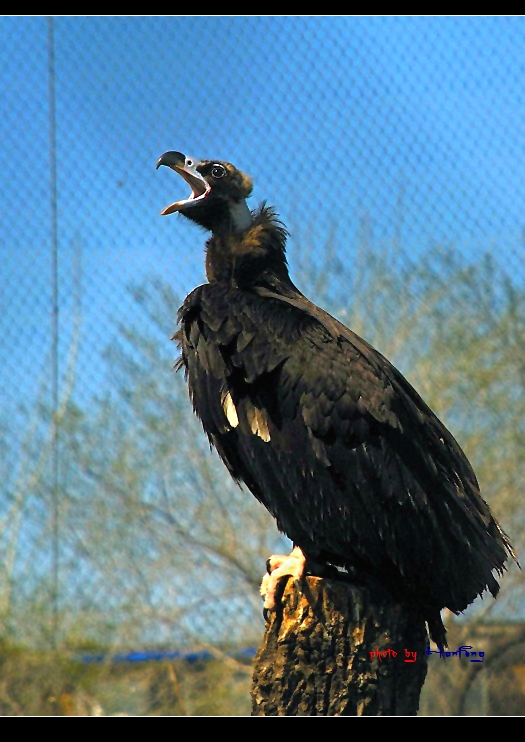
<point>279,566</point>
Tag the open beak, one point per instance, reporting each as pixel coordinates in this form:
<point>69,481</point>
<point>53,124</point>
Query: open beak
<point>187,168</point>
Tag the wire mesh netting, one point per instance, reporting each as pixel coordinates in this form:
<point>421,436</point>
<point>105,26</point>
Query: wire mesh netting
<point>393,148</point>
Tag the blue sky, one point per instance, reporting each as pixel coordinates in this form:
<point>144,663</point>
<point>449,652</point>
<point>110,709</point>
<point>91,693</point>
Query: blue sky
<point>416,122</point>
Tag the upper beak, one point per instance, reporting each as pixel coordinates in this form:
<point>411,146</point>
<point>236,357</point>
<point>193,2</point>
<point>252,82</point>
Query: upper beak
<point>187,168</point>
<point>175,160</point>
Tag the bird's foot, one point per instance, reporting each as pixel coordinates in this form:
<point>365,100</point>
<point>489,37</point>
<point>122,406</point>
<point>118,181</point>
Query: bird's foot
<point>279,566</point>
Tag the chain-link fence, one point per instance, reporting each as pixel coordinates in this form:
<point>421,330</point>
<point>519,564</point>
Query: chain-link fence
<point>393,147</point>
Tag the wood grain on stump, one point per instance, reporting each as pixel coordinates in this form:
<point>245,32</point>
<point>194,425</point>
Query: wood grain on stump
<point>328,651</point>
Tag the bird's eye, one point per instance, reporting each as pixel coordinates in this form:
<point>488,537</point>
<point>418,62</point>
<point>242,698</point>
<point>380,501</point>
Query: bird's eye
<point>218,171</point>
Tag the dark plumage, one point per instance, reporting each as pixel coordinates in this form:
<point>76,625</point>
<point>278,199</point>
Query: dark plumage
<point>331,438</point>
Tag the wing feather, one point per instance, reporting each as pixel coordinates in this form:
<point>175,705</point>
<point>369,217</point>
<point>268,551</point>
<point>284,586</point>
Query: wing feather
<point>335,442</point>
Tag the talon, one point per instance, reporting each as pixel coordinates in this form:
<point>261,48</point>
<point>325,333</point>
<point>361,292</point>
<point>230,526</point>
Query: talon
<point>278,567</point>
<point>266,614</point>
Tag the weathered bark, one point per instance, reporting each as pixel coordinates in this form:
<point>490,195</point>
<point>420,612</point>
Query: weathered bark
<point>321,654</point>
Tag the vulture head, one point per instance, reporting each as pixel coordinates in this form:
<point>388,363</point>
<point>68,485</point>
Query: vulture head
<point>218,193</point>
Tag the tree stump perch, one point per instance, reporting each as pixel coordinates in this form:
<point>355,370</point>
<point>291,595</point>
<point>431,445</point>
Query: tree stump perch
<point>328,650</point>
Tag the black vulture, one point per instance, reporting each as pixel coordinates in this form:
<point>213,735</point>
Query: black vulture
<point>327,434</point>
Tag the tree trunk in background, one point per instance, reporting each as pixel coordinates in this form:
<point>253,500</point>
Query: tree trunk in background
<point>329,651</point>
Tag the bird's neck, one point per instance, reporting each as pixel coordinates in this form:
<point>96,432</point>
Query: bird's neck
<point>241,217</point>
<point>247,255</point>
